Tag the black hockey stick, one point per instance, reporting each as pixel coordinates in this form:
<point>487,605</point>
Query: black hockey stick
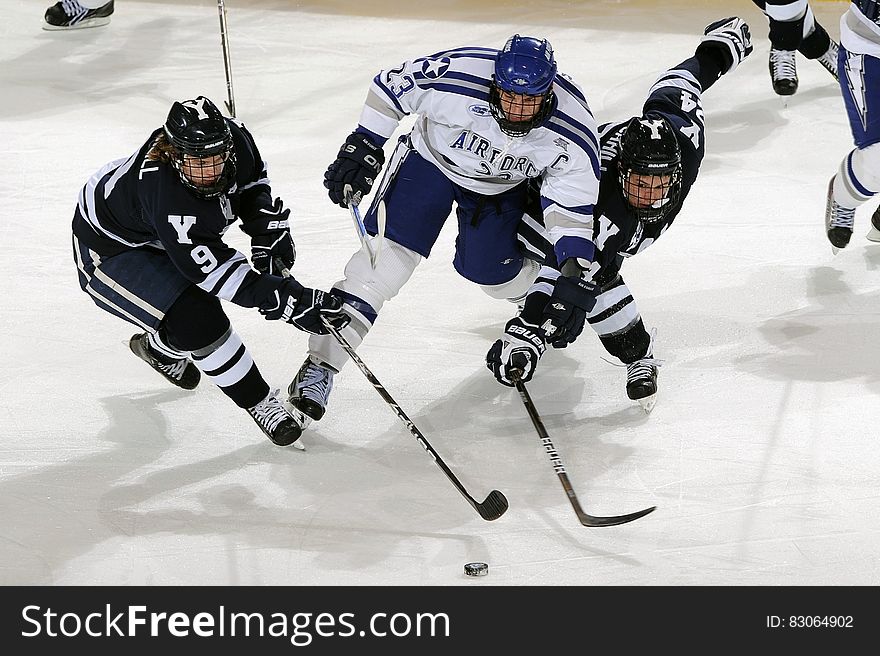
<point>493,506</point>
<point>227,61</point>
<point>559,468</point>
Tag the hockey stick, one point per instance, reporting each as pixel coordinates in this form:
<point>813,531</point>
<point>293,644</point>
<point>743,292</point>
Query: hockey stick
<point>359,226</point>
<point>230,104</point>
<point>559,468</point>
<point>380,234</point>
<point>493,506</point>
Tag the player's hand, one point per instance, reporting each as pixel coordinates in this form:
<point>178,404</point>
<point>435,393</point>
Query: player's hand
<point>353,172</point>
<point>732,37</point>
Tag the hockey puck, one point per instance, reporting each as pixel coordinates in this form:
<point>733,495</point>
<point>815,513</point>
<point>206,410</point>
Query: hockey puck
<point>476,569</point>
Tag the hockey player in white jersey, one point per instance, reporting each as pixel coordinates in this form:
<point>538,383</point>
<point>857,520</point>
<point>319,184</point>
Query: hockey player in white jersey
<point>147,240</point>
<point>487,121</point>
<point>858,177</point>
<point>649,163</point>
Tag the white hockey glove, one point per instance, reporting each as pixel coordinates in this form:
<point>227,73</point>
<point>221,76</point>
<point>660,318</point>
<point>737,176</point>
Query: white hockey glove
<point>521,348</point>
<point>732,37</point>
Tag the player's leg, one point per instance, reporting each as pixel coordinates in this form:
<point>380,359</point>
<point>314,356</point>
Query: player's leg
<point>488,248</point>
<point>417,198</point>
<point>817,44</point>
<point>616,320</point>
<point>786,18</point>
<point>185,331</point>
<point>858,177</point>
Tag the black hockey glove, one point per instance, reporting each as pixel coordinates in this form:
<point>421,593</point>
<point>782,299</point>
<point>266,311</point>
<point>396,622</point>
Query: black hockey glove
<point>732,37</point>
<point>304,307</point>
<point>520,348</point>
<point>566,311</point>
<point>272,249</point>
<point>355,169</point>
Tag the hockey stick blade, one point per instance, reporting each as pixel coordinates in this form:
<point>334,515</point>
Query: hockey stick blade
<point>594,522</point>
<point>585,519</point>
<point>493,506</point>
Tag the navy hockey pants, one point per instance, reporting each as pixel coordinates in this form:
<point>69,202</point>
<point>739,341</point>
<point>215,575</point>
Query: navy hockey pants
<point>418,199</point>
<point>139,285</point>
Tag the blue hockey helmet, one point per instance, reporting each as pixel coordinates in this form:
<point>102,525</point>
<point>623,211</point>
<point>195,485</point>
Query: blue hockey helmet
<point>525,66</point>
<point>197,129</point>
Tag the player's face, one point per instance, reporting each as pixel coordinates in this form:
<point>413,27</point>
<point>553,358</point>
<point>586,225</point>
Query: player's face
<point>518,107</point>
<point>642,191</point>
<point>203,171</point>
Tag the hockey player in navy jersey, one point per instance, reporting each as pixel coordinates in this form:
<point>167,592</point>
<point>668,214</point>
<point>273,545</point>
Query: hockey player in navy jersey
<point>487,121</point>
<point>649,163</point>
<point>793,29</point>
<point>147,240</point>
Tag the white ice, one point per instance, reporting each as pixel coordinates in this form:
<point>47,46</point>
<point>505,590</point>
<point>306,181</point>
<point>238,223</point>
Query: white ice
<point>761,456</point>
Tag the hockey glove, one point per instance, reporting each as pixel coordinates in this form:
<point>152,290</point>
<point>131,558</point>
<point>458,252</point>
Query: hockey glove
<point>566,311</point>
<point>355,169</point>
<point>520,348</point>
<point>732,37</point>
<point>272,249</point>
<point>304,308</point>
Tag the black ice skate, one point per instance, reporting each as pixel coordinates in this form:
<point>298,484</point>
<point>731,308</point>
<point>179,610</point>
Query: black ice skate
<point>181,372</point>
<point>874,234</point>
<point>829,59</point>
<point>283,428</point>
<point>641,382</point>
<point>839,221</point>
<point>783,72</point>
<point>71,15</point>
<point>310,389</point>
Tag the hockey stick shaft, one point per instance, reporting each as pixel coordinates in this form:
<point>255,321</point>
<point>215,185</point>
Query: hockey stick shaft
<point>559,468</point>
<point>227,62</point>
<point>360,228</point>
<point>495,503</point>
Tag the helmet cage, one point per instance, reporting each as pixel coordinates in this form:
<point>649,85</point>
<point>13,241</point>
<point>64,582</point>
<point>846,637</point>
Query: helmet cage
<point>518,128</point>
<point>198,133</point>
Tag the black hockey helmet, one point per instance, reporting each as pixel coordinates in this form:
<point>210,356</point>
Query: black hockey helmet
<point>524,66</point>
<point>649,147</point>
<point>198,129</point>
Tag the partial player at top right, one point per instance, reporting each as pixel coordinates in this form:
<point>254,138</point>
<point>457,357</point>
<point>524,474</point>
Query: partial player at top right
<point>794,28</point>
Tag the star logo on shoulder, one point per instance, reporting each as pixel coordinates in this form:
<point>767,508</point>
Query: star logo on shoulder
<point>562,143</point>
<point>434,68</point>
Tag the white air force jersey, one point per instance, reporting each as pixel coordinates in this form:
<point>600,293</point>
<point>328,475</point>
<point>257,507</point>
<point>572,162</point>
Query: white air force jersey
<point>455,130</point>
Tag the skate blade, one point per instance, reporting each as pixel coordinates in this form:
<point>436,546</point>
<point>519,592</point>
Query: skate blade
<point>873,235</point>
<point>91,22</point>
<point>299,445</point>
<point>834,250</point>
<point>301,418</point>
<point>648,403</point>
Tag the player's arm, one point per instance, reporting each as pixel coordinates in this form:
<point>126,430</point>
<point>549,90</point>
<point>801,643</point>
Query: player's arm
<point>393,94</point>
<point>263,218</point>
<point>195,247</point>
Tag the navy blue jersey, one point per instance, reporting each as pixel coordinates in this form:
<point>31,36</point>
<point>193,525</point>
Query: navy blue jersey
<point>141,203</point>
<point>618,233</point>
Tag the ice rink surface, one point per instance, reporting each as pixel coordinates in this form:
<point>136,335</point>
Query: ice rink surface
<point>761,456</point>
